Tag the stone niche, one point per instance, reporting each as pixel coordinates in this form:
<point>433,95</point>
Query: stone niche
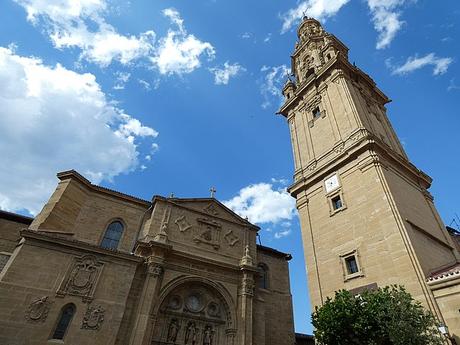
<point>194,314</point>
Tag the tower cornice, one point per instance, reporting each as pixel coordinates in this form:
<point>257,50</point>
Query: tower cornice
<point>336,67</point>
<point>349,150</point>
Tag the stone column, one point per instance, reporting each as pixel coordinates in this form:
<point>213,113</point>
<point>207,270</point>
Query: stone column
<point>246,294</point>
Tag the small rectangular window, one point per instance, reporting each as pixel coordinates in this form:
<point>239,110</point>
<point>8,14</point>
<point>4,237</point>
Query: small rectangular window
<point>336,202</point>
<point>352,265</point>
<point>316,113</point>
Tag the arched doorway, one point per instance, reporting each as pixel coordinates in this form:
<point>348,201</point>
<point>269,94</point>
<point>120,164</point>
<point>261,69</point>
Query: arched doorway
<point>193,313</point>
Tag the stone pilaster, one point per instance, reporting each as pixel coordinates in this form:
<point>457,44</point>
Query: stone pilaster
<point>143,324</point>
<point>155,255</point>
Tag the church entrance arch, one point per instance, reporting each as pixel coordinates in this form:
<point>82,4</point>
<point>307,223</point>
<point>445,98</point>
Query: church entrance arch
<point>193,313</point>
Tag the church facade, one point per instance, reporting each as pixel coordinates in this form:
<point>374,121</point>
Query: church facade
<point>366,215</point>
<point>97,266</point>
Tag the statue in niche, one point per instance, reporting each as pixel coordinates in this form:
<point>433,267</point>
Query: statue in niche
<point>207,335</point>
<point>191,334</point>
<point>173,331</point>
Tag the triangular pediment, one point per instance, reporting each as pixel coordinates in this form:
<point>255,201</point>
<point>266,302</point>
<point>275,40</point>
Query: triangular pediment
<point>210,207</point>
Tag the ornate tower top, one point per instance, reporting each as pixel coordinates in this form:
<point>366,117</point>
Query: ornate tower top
<point>309,27</point>
<point>314,49</point>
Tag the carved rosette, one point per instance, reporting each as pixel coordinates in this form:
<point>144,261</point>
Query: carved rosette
<point>81,278</point>
<point>93,318</point>
<point>38,310</point>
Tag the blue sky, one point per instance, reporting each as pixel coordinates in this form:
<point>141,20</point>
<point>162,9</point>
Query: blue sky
<point>161,97</point>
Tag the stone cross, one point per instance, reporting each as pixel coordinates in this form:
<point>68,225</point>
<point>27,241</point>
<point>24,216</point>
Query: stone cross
<point>213,191</point>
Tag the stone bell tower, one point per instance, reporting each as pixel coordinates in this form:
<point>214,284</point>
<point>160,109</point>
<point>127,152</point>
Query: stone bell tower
<point>366,215</point>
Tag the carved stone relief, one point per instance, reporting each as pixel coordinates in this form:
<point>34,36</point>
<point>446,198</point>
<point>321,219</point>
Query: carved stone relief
<point>38,309</point>
<point>183,224</point>
<point>93,318</point>
<point>162,235</point>
<point>208,232</point>
<point>211,209</point>
<point>231,238</point>
<point>194,314</point>
<point>155,269</point>
<point>81,278</point>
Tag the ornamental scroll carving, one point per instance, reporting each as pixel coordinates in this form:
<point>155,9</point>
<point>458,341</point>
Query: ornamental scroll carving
<point>94,317</point>
<point>38,310</point>
<point>81,278</point>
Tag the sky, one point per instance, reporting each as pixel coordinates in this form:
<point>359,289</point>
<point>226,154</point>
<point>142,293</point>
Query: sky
<point>159,97</point>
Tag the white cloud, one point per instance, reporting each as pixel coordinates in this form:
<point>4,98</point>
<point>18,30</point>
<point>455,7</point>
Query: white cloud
<point>440,65</point>
<point>180,52</point>
<point>281,181</point>
<point>81,24</point>
<point>246,35</point>
<point>121,79</point>
<point>54,119</point>
<point>145,84</point>
<point>318,9</point>
<point>261,203</point>
<point>385,16</point>
<point>68,24</point>
<point>282,233</point>
<point>453,85</point>
<point>223,75</point>
<point>272,83</point>
<point>268,38</point>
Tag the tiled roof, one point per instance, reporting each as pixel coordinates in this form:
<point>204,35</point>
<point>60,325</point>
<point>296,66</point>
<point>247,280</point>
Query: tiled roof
<point>445,273</point>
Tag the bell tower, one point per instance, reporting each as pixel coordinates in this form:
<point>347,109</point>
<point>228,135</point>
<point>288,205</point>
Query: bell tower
<point>366,215</point>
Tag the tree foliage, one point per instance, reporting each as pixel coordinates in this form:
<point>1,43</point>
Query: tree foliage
<point>386,316</point>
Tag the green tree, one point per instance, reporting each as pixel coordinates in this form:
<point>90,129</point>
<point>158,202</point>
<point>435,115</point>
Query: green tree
<point>385,316</point>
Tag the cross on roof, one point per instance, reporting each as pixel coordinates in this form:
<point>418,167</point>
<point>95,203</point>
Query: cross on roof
<point>213,191</point>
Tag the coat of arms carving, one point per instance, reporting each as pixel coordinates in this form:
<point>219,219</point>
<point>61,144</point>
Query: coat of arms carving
<point>208,233</point>
<point>81,278</point>
<point>94,317</point>
<point>38,309</point>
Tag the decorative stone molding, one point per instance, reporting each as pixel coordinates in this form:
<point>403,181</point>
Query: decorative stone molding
<point>231,238</point>
<point>313,103</point>
<point>93,318</point>
<point>211,209</point>
<point>81,278</point>
<point>247,286</point>
<point>38,310</point>
<point>155,269</point>
<point>162,235</point>
<point>182,223</point>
